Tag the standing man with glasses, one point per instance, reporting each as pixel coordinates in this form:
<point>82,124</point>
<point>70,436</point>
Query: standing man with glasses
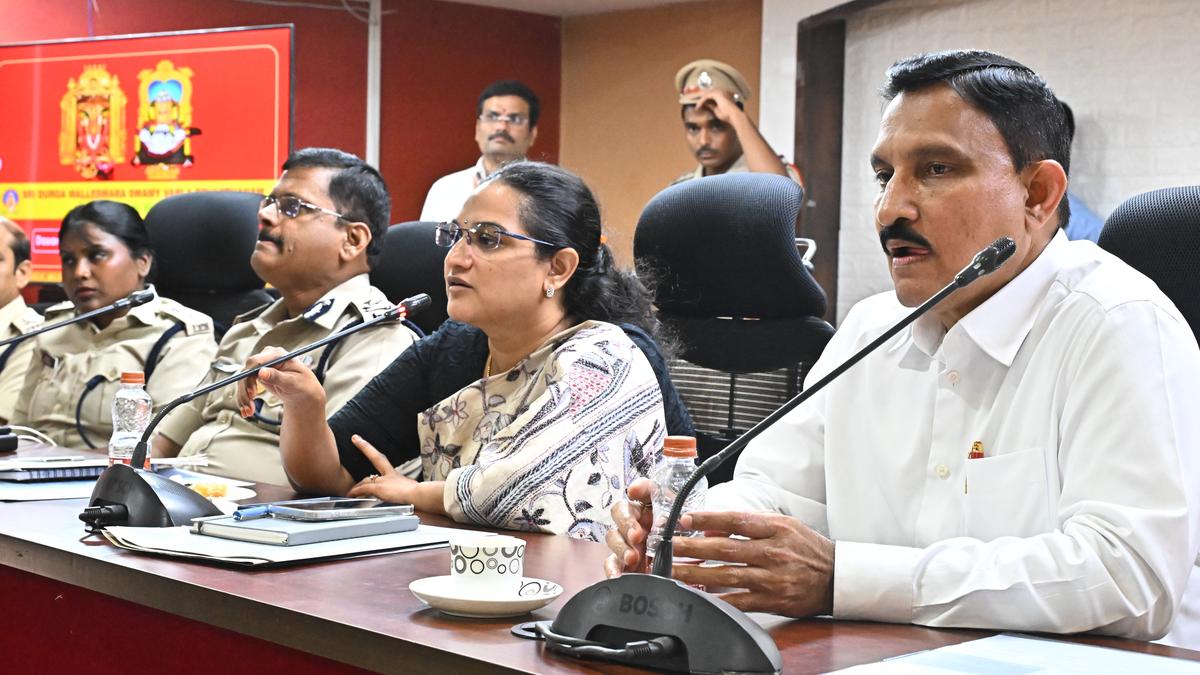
<point>506,119</point>
<point>321,231</point>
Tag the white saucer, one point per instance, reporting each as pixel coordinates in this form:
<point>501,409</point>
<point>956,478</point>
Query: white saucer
<point>442,593</point>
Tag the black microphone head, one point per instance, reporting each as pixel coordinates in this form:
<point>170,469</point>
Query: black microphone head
<point>986,261</point>
<point>1005,248</point>
<point>416,303</point>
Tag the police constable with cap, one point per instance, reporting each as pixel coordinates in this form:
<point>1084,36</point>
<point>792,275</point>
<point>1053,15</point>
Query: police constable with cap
<point>322,228</point>
<point>721,135</point>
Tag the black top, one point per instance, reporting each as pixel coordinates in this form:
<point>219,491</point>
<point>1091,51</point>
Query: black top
<point>385,411</point>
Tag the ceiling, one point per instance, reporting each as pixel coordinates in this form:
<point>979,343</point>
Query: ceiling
<point>571,7</point>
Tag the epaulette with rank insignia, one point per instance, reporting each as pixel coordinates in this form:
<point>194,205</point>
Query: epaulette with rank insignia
<point>373,307</point>
<point>194,322</point>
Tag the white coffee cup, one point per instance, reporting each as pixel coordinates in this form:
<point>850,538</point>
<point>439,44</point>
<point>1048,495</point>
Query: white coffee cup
<point>487,565</point>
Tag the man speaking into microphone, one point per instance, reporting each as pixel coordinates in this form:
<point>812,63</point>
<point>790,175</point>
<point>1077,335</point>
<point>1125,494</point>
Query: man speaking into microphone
<point>321,230</point>
<point>1022,457</point>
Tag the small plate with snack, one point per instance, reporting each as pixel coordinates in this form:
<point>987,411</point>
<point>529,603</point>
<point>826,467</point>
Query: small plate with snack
<point>215,488</point>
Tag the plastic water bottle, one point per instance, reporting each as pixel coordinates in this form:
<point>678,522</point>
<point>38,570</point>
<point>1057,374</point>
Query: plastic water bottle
<point>677,465</point>
<point>131,412</point>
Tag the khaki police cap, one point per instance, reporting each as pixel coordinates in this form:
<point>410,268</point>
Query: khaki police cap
<point>698,77</point>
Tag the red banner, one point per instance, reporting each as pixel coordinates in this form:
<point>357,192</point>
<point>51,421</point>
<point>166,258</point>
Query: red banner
<point>136,119</point>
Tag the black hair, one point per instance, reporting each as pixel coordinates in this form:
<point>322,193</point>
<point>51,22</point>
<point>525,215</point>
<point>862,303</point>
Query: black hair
<point>120,220</point>
<point>557,207</point>
<point>20,242</point>
<point>357,190</point>
<point>1017,100</point>
<point>1070,118</point>
<point>511,88</point>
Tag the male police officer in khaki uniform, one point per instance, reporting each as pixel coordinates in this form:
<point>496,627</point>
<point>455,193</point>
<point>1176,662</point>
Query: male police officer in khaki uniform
<point>721,135</point>
<point>322,228</point>
<point>15,317</point>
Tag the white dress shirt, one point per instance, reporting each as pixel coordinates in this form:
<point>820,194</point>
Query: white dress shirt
<point>448,193</point>
<point>1081,381</point>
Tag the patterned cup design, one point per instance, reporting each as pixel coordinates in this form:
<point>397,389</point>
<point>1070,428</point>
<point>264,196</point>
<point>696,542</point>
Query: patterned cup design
<point>488,565</point>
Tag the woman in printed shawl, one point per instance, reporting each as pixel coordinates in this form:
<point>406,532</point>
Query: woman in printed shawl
<point>563,409</point>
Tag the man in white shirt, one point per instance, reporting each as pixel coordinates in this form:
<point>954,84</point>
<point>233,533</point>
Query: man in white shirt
<point>506,118</point>
<point>1023,457</point>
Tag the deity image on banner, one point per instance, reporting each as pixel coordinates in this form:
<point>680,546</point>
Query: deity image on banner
<point>163,142</point>
<point>92,138</point>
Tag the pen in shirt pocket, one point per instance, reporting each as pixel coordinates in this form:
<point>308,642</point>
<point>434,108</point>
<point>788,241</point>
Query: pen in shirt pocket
<point>976,452</point>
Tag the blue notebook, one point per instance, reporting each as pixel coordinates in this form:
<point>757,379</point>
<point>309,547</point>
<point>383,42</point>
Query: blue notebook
<point>285,532</point>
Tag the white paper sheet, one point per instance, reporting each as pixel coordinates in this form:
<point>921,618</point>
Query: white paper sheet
<point>179,541</point>
<point>1015,654</point>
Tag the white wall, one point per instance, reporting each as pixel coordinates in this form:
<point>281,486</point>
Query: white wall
<point>1130,70</point>
<point>777,79</point>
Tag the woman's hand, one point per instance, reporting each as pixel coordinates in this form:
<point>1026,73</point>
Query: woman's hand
<point>292,381</point>
<point>386,485</point>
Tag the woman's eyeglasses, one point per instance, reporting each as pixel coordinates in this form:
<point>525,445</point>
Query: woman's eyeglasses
<point>485,236</point>
<point>292,207</point>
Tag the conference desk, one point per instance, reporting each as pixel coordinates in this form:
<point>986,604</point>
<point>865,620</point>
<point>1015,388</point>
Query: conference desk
<point>72,602</point>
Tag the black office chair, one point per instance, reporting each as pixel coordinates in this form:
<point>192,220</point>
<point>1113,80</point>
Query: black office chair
<point>202,243</point>
<point>721,256</point>
<point>411,263</point>
<point>1158,234</point>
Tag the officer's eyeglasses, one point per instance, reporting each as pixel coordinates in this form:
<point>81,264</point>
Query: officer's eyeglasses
<point>484,236</point>
<point>292,207</point>
<point>496,118</point>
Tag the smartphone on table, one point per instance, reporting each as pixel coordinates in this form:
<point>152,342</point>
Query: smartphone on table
<point>338,508</point>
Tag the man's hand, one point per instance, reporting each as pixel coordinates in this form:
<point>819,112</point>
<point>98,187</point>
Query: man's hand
<point>785,568</point>
<point>722,105</point>
<point>631,525</point>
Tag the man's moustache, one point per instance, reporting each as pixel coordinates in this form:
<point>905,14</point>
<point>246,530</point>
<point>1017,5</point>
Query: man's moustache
<point>901,229</point>
<point>264,236</point>
<point>502,134</point>
<point>705,149</point>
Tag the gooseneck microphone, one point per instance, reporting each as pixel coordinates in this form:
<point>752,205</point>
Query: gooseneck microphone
<point>402,309</point>
<point>985,262</point>
<point>654,621</point>
<point>126,495</point>
<point>132,300</point>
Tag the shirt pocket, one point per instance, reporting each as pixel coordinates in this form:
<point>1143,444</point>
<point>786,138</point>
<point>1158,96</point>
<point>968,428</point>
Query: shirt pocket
<point>96,413</point>
<point>1007,496</point>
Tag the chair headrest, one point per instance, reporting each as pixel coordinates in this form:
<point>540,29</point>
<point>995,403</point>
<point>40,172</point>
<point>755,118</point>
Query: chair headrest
<point>725,246</point>
<point>203,240</point>
<point>411,263</point>
<point>1158,234</point>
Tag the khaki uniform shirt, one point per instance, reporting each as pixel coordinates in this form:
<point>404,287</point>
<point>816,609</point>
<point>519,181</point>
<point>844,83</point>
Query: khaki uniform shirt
<point>67,358</point>
<point>739,166</point>
<point>249,448</point>
<point>16,318</point>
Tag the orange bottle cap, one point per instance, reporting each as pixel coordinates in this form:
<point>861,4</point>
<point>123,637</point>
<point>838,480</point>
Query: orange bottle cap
<point>135,377</point>
<point>679,446</point>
